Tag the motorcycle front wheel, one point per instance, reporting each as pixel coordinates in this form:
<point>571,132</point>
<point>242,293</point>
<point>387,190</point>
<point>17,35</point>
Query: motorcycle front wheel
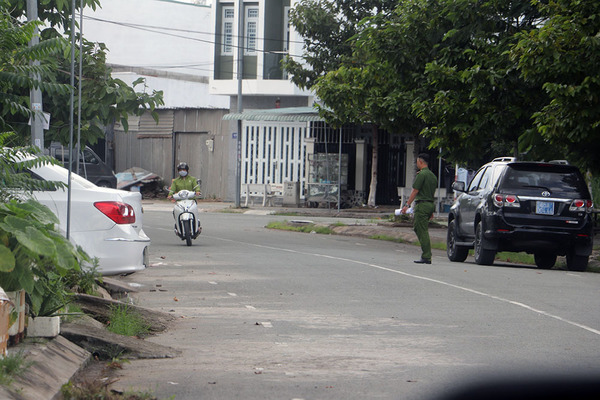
<point>187,232</point>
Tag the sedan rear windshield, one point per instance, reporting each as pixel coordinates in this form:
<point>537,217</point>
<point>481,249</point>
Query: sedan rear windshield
<point>554,178</point>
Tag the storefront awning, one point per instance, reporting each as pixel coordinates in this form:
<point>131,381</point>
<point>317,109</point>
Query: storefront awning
<point>291,114</point>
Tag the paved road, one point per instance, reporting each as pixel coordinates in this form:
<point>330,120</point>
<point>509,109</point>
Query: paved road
<point>283,315</point>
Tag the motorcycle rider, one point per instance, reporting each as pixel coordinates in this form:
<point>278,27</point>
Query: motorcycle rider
<point>183,182</point>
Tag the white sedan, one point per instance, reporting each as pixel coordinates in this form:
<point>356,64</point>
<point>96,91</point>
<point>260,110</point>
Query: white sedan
<point>106,223</point>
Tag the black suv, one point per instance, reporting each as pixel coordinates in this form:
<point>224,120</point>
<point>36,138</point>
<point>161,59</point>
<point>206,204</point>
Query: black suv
<point>542,208</point>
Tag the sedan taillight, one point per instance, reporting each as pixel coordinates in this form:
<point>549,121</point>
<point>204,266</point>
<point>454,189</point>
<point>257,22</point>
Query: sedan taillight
<point>581,205</point>
<point>117,211</point>
<point>506,200</point>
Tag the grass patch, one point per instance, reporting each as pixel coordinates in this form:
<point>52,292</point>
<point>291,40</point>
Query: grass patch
<point>230,211</point>
<point>434,245</point>
<point>306,228</point>
<point>72,313</point>
<point>388,238</point>
<point>11,366</point>
<point>99,390</point>
<point>517,258</point>
<point>125,321</point>
<point>593,268</point>
<point>438,245</point>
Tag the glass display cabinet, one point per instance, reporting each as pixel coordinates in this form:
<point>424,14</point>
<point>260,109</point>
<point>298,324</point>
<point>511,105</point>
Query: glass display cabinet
<point>327,176</point>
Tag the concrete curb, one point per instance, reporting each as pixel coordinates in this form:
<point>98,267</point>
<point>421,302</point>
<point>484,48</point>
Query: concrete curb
<point>52,365</point>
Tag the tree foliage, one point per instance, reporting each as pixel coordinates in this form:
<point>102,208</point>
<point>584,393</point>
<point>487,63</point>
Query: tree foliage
<point>327,27</point>
<point>478,78</point>
<point>56,13</point>
<point>104,99</point>
<point>17,69</point>
<point>351,90</point>
<point>480,105</point>
<point>563,56</point>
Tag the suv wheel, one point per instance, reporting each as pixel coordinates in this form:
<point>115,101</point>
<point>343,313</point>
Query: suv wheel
<point>576,263</point>
<point>454,252</point>
<point>544,260</point>
<point>482,256</point>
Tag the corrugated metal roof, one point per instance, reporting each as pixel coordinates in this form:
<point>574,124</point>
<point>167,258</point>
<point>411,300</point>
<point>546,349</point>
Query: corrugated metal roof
<point>291,114</point>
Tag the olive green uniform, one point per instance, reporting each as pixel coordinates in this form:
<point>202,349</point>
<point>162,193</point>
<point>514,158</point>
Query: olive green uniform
<point>184,183</point>
<point>426,183</point>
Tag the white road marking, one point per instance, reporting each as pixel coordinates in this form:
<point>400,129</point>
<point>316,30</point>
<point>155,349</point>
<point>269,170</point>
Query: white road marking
<point>251,308</point>
<point>232,294</point>
<point>213,282</point>
<point>379,267</point>
<point>266,324</point>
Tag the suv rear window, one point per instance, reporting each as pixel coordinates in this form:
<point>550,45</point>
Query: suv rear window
<point>554,178</point>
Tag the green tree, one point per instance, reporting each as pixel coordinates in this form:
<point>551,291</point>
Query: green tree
<point>481,105</point>
<point>104,99</point>
<point>563,56</point>
<point>350,95</point>
<point>56,13</point>
<point>327,27</point>
<point>333,67</point>
<point>16,69</point>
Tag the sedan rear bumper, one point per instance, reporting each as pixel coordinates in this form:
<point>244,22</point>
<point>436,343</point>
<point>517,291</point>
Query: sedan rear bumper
<point>122,252</point>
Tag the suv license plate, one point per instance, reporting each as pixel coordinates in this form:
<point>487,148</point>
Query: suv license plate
<point>544,208</point>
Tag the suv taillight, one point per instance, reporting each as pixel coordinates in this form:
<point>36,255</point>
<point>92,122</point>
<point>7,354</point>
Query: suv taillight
<point>581,205</point>
<point>117,211</point>
<point>506,200</point>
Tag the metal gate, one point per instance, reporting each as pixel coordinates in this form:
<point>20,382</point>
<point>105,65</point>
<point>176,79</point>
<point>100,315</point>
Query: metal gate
<point>273,152</point>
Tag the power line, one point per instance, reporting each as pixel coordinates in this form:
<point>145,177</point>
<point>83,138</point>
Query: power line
<point>133,25</point>
<point>153,29</point>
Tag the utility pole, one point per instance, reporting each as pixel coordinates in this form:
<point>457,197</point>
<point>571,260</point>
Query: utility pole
<point>35,94</point>
<point>240,77</point>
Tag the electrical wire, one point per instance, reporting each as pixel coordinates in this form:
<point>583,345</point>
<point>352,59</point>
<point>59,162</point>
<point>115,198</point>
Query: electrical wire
<point>159,30</point>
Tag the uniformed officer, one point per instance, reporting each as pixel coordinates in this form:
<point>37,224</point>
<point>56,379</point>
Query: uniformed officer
<point>183,181</point>
<point>422,195</point>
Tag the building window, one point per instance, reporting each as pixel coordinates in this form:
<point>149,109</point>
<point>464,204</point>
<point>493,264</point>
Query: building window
<point>251,30</point>
<point>286,29</point>
<point>227,31</point>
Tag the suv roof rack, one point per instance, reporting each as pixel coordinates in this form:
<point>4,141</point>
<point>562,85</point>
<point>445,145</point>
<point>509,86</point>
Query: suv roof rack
<point>504,159</point>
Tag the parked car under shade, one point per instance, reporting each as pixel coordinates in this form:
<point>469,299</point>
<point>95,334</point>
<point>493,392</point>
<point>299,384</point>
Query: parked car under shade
<point>542,208</point>
<point>105,222</point>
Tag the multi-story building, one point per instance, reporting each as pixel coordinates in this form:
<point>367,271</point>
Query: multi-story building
<point>272,150</point>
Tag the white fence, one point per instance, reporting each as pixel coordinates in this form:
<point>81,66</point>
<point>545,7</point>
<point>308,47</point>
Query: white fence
<point>273,152</point>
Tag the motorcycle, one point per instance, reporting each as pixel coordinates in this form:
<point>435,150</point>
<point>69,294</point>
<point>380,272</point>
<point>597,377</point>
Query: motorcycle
<point>185,212</point>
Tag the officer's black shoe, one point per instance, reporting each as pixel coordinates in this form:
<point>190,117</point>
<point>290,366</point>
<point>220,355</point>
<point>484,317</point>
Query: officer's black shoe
<point>422,261</point>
